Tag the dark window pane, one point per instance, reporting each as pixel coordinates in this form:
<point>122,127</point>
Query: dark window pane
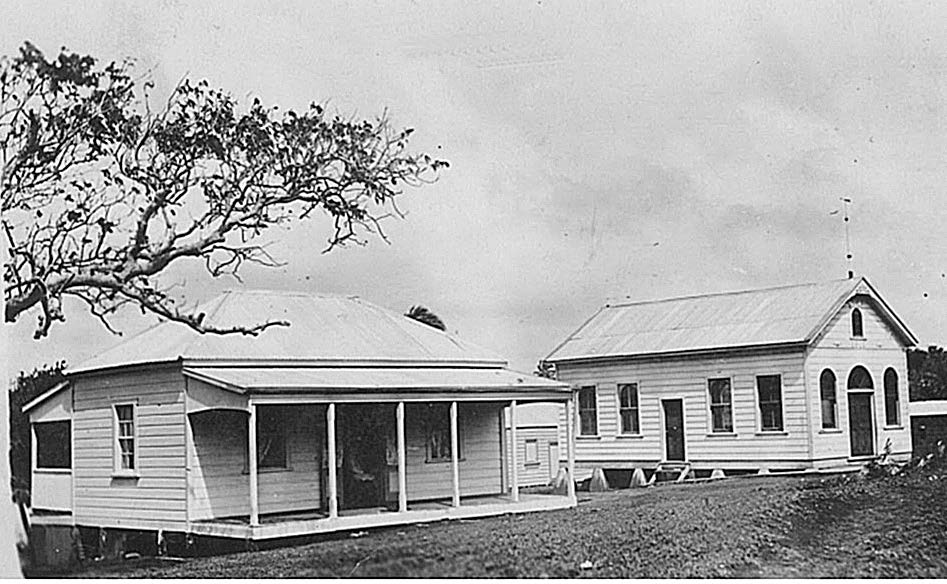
<point>53,444</point>
<point>770,398</point>
<point>857,330</point>
<point>628,407</point>
<point>859,378</point>
<point>827,393</point>
<point>438,432</point>
<point>588,416</point>
<point>271,437</point>
<point>892,399</point>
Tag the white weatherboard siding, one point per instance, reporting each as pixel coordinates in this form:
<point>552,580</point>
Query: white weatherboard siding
<point>686,378</point>
<point>479,426</point>
<point>219,480</point>
<point>839,351</point>
<point>547,464</point>
<point>156,497</point>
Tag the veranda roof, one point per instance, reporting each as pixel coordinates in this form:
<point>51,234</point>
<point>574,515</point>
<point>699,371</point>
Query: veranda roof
<point>327,380</point>
<point>752,318</point>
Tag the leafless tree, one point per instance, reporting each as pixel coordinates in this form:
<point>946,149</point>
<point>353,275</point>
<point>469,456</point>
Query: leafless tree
<point>101,193</point>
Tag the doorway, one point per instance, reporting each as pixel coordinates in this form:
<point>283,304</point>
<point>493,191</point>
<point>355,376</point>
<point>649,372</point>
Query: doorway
<point>860,424</point>
<point>673,429</point>
<point>364,431</point>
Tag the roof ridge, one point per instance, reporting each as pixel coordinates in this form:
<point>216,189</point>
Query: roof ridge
<point>729,293</point>
<point>278,292</point>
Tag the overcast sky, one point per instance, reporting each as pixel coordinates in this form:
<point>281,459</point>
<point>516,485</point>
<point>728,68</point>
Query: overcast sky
<point>598,150</point>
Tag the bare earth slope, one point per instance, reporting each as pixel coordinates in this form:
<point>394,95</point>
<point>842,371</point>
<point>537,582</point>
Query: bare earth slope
<point>780,526</point>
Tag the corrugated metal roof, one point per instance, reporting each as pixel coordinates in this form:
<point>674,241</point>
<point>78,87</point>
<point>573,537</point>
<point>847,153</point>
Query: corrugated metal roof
<point>322,327</point>
<point>368,379</point>
<point>771,316</point>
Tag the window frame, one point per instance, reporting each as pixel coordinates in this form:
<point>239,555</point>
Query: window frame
<point>710,407</point>
<point>636,409</point>
<point>282,429</point>
<point>429,458</point>
<point>527,461</point>
<point>117,459</point>
<point>36,447</point>
<point>759,406</point>
<point>822,400</point>
<point>857,317</point>
<point>578,411</point>
<point>897,398</point>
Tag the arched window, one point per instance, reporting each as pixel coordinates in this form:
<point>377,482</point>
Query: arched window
<point>829,402</point>
<point>857,329</point>
<point>892,400</point>
<point>859,378</point>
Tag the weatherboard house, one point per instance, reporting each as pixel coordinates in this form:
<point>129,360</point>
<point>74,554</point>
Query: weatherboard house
<point>350,417</point>
<point>798,377</point>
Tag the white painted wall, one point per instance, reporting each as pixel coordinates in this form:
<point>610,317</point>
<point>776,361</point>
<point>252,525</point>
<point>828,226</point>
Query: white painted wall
<point>878,350</point>
<point>156,497</point>
<point>686,378</point>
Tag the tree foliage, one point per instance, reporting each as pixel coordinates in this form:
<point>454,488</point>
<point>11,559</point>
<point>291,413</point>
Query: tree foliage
<point>23,390</point>
<point>927,373</point>
<point>425,316</point>
<point>101,194</point>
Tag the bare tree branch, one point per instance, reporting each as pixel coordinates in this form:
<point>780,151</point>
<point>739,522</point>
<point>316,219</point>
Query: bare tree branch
<point>100,195</point>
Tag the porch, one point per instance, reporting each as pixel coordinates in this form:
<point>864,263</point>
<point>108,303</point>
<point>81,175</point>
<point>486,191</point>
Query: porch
<point>312,522</point>
<point>272,464</point>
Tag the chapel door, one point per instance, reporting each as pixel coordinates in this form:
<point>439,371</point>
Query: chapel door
<point>860,424</point>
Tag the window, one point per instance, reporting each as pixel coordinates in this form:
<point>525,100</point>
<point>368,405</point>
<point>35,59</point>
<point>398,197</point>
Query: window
<point>829,402</point>
<point>532,451</point>
<point>857,330</point>
<point>859,378</point>
<point>771,402</point>
<point>271,438</point>
<point>53,444</point>
<point>721,410</point>
<point>438,433</point>
<point>588,412</point>
<point>892,401</point>
<point>628,408</point>
<point>126,453</point>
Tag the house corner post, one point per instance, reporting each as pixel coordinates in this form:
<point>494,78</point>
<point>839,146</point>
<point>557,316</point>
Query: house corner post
<point>454,455</point>
<point>570,447</point>
<point>333,478</point>
<point>402,462</point>
<point>514,455</point>
<point>252,452</point>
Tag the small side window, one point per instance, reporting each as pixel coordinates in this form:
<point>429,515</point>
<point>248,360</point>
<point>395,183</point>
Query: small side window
<point>721,410</point>
<point>532,451</point>
<point>125,438</point>
<point>857,328</point>
<point>771,402</point>
<point>628,408</point>
<point>829,400</point>
<point>892,399</point>
<point>588,412</point>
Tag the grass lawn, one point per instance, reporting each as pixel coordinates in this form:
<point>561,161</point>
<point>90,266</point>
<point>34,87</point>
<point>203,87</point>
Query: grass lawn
<point>780,526</point>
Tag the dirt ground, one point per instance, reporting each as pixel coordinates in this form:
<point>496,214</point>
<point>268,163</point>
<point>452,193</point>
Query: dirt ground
<point>758,527</point>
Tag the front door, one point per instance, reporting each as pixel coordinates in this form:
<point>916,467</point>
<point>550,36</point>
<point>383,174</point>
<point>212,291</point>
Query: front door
<point>861,427</point>
<point>363,431</point>
<point>674,428</point>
